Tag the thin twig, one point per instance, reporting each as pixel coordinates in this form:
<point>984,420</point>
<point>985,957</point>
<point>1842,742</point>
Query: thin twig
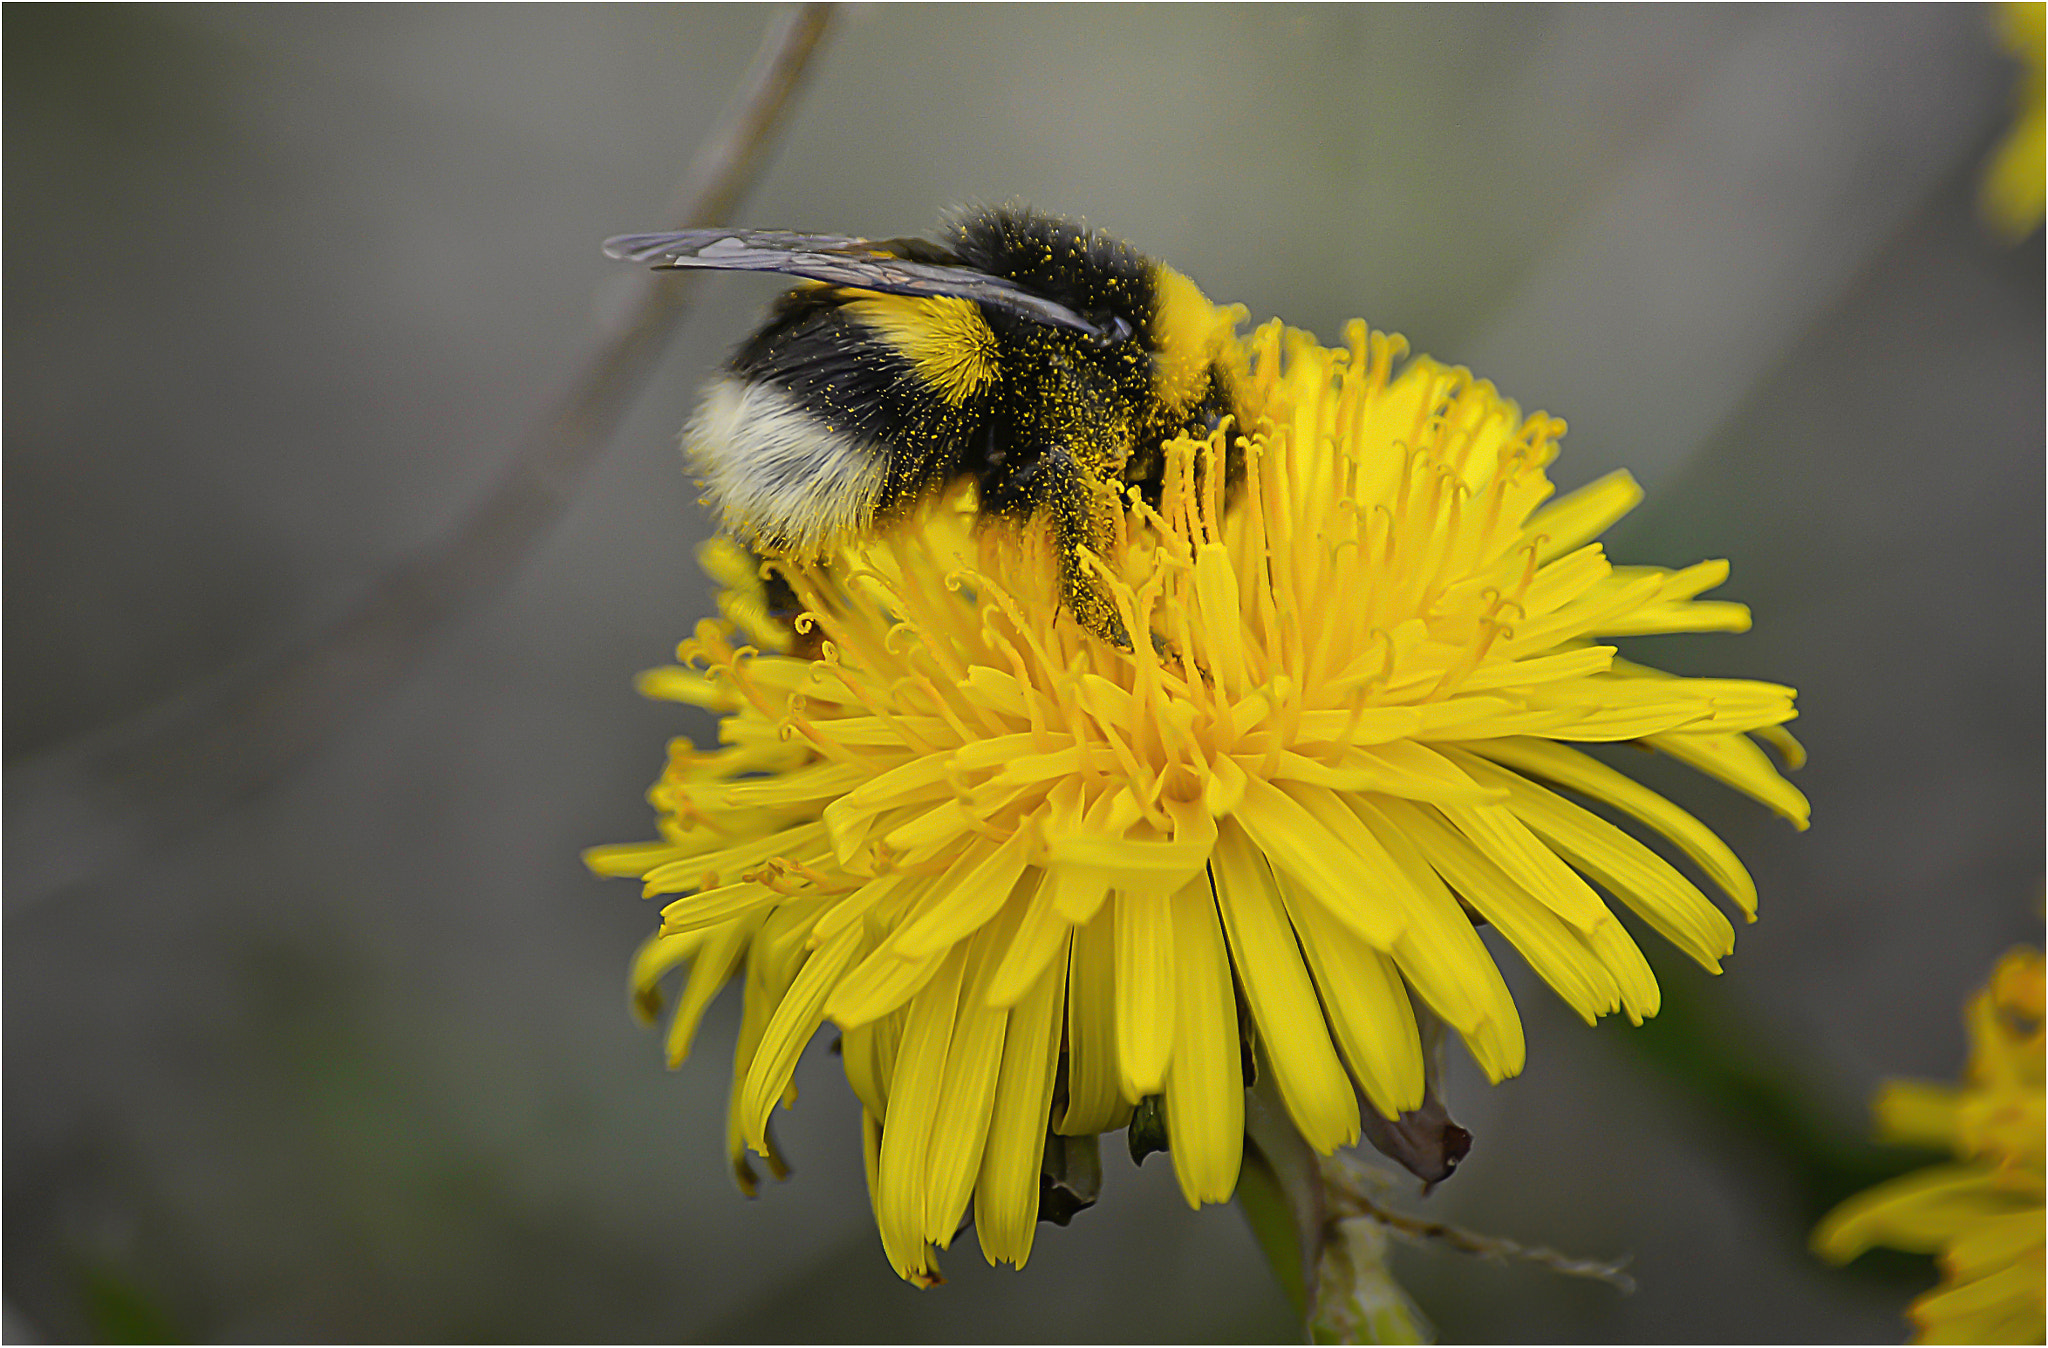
<point>80,809</point>
<point>1346,1186</point>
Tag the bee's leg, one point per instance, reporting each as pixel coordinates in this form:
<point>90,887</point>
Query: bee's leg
<point>1082,519</point>
<point>1028,478</point>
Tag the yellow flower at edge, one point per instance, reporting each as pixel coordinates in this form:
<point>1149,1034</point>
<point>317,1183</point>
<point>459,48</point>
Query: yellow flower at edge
<point>1026,872</point>
<point>2013,194</point>
<point>1983,1216</point>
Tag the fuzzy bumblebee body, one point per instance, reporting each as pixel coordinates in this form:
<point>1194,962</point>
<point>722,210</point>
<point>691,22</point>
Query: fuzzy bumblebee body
<point>1048,363</point>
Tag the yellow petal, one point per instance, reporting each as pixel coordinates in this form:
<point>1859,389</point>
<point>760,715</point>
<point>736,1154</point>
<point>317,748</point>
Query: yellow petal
<point>1204,1085</point>
<point>754,1011</point>
<point>1095,1099</point>
<point>1145,971</point>
<point>628,860</point>
<point>930,834</point>
<point>1555,949</point>
<point>1914,1212</point>
<point>1002,692</point>
<point>1218,608</point>
<point>1993,1243</point>
<point>1041,935</point>
<point>726,864</point>
<point>673,683</point>
<point>1367,1004</point>
<point>1583,515</point>
<point>1443,959</point>
<point>1736,760</point>
<point>871,1157</point>
<point>1294,1039</point>
<point>868,1053</point>
<point>1006,1195</point>
<point>1402,768</point>
<point>720,954</point>
<point>1583,617</point>
<point>923,778</point>
<point>1078,892</point>
<point>709,907</point>
<point>1224,788</point>
<point>914,1098</point>
<point>655,957</point>
<point>1636,875</point>
<point>1918,1113</point>
<point>1304,849</point>
<point>1507,840</point>
<point>1583,663</point>
<point>1641,998</point>
<point>2013,1320</point>
<point>795,1019</point>
<point>1572,576</point>
<point>998,750</point>
<point>973,890</point>
<point>822,782</point>
<point>853,907</point>
<point>1154,864</point>
<point>1705,616</point>
<point>878,985</point>
<point>2020,1284</point>
<point>974,1059</point>
<point>1574,770</point>
<point>879,732</point>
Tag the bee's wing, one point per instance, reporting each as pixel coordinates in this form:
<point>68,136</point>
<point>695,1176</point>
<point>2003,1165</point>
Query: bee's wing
<point>676,247</point>
<point>837,259</point>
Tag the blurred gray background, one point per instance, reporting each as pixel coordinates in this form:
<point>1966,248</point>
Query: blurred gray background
<point>351,1059</point>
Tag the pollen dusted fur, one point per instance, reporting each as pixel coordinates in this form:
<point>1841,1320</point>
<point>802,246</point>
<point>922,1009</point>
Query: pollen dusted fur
<point>1046,363</point>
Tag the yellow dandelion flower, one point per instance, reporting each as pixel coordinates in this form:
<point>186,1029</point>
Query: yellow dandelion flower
<point>1028,873</point>
<point>2014,191</point>
<point>1983,1216</point>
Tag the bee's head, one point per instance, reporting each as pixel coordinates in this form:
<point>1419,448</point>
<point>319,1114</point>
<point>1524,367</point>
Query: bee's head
<point>1099,278</point>
<point>1152,324</point>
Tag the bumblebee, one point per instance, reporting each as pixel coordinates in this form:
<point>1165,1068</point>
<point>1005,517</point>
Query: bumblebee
<point>1047,362</point>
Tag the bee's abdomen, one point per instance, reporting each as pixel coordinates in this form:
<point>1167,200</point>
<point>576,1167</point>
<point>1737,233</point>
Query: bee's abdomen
<point>784,476</point>
<point>824,427</point>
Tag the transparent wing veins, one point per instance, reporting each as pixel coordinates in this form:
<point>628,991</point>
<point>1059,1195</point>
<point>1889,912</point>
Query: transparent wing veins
<point>837,259</point>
